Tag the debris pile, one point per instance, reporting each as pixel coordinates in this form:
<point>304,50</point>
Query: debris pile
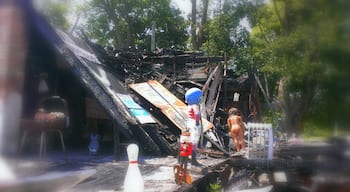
<point>154,80</point>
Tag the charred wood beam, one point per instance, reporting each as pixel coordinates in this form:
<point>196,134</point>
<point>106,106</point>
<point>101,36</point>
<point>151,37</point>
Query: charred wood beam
<point>161,78</point>
<point>167,60</point>
<point>167,145</point>
<point>211,117</point>
<point>213,93</point>
<point>116,139</point>
<point>207,83</point>
<point>219,173</point>
<point>290,166</point>
<point>210,89</point>
<point>145,140</point>
<point>235,172</point>
<point>208,59</point>
<point>182,59</point>
<point>225,84</point>
<point>190,82</point>
<point>216,144</point>
<point>106,57</point>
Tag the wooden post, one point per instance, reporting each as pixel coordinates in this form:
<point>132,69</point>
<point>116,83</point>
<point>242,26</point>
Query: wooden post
<point>225,83</point>
<point>116,139</point>
<point>153,37</point>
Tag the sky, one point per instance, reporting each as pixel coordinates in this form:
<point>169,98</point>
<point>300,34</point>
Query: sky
<point>183,5</point>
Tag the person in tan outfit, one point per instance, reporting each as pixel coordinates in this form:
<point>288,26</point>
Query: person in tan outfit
<point>236,128</point>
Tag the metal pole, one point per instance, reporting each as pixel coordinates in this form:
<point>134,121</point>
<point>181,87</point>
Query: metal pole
<point>153,37</point>
<point>270,142</point>
<point>201,127</point>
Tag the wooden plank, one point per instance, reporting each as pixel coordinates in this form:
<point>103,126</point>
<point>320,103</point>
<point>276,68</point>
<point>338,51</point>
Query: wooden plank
<point>169,104</point>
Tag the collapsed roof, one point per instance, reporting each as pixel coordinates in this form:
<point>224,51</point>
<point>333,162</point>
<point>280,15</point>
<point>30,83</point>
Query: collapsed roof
<point>107,74</point>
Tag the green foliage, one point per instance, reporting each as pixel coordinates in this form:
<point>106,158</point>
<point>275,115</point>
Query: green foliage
<point>56,13</point>
<point>214,187</point>
<point>128,23</point>
<point>312,130</point>
<point>309,47</point>
<point>268,117</point>
<point>218,41</point>
<point>226,34</point>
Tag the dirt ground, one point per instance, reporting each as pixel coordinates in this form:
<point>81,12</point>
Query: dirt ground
<point>91,173</point>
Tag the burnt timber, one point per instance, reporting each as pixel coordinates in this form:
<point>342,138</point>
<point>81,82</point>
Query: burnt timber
<point>80,70</point>
<point>177,72</point>
<point>50,52</point>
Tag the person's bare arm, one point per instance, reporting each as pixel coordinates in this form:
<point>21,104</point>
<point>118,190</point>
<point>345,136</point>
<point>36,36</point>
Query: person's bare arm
<point>228,123</point>
<point>241,123</point>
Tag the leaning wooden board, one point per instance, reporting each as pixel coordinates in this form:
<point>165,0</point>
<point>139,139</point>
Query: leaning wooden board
<point>169,104</point>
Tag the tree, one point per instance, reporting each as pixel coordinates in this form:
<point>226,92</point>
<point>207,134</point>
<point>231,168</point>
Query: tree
<point>121,24</point>
<point>225,33</point>
<point>198,28</point>
<point>194,25</point>
<point>56,14</point>
<point>297,43</point>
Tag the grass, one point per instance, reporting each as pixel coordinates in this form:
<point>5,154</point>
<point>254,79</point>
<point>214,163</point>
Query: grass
<point>313,131</point>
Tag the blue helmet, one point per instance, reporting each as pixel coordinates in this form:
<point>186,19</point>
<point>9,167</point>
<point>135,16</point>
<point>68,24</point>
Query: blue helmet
<point>193,96</point>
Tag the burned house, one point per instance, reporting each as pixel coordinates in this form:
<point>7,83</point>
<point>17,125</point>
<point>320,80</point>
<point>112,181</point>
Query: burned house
<point>99,88</point>
<point>61,65</point>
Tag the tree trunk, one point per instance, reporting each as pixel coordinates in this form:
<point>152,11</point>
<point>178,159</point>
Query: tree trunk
<point>130,34</point>
<point>193,25</point>
<point>277,12</point>
<point>203,23</point>
<point>291,103</point>
<point>287,20</point>
<point>130,38</point>
<point>115,19</point>
<point>291,106</point>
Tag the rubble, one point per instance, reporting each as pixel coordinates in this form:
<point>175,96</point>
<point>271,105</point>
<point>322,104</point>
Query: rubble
<point>174,71</point>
